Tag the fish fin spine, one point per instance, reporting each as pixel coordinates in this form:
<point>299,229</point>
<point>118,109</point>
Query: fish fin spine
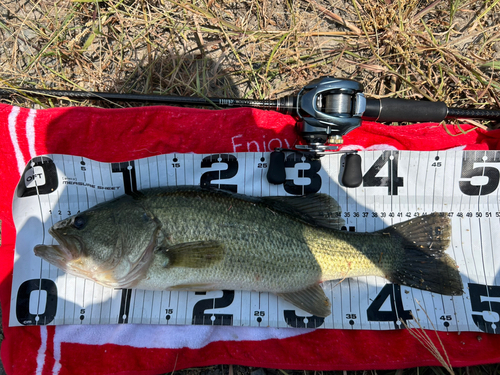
<point>315,209</point>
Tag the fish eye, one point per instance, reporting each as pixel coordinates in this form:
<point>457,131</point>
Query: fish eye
<point>79,222</point>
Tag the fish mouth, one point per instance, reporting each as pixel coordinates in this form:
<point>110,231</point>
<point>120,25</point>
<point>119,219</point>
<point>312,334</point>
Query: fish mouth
<point>57,255</point>
<point>62,254</point>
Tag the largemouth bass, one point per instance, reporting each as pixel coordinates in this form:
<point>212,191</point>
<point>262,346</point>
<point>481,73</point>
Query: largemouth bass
<point>188,238</point>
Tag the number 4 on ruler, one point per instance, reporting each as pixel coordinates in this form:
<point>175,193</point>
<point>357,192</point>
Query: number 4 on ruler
<point>397,311</point>
<point>392,180</point>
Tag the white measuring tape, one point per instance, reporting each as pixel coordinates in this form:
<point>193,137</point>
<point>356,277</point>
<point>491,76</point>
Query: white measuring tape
<point>397,185</point>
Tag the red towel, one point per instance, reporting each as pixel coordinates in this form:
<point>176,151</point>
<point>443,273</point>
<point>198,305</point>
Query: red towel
<point>113,135</point>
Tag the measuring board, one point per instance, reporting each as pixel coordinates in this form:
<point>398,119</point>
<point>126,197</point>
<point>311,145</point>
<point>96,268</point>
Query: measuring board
<point>397,185</point>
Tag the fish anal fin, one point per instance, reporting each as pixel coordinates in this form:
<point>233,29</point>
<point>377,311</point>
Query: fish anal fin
<point>197,254</point>
<point>311,299</point>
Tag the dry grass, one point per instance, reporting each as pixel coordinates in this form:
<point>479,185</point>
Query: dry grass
<point>437,50</point>
<point>441,50</point>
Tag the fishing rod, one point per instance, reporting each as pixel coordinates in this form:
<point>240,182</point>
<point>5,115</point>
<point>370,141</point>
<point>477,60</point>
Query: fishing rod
<point>327,108</point>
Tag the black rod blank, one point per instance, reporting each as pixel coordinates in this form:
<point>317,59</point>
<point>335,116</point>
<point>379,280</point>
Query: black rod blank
<point>164,99</point>
<point>473,113</point>
<point>383,110</point>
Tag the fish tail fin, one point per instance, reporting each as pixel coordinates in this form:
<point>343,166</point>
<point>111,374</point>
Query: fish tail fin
<point>424,264</point>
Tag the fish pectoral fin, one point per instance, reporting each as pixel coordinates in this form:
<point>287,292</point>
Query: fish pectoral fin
<point>198,254</point>
<point>312,299</point>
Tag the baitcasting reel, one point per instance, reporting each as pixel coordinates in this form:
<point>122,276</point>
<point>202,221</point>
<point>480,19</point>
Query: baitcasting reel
<point>328,109</point>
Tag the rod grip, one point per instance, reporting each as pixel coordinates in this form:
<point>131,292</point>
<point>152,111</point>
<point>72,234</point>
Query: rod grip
<point>396,110</point>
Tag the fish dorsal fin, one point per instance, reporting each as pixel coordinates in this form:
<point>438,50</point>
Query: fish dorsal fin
<point>312,299</point>
<point>316,209</point>
<point>198,254</point>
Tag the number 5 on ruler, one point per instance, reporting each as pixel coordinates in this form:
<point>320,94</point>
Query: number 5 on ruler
<point>485,303</point>
<point>473,173</point>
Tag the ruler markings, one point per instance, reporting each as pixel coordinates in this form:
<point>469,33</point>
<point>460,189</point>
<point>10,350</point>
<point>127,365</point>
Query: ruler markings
<point>39,266</point>
<point>154,172</point>
<point>377,225</point>
<point>437,308</point>
<point>190,162</point>
<point>144,312</point>
<point>149,307</point>
<point>450,196</point>
<point>156,307</point>
<point>484,157</point>
<point>149,165</point>
<point>480,232</point>
<point>141,178</point>
<point>497,214</point>
<point>160,308</point>
<point>59,212</point>
<point>406,293</point>
<point>364,303</point>
<point>93,291</point>
<point>494,209</point>
<point>412,209</point>
<point>463,233</point>
<point>135,302</point>
<point>378,288</point>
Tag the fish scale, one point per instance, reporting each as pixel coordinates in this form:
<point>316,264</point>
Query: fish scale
<point>361,254</point>
<point>250,261</point>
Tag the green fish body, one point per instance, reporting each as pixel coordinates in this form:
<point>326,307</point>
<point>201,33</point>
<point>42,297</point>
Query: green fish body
<point>188,238</point>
